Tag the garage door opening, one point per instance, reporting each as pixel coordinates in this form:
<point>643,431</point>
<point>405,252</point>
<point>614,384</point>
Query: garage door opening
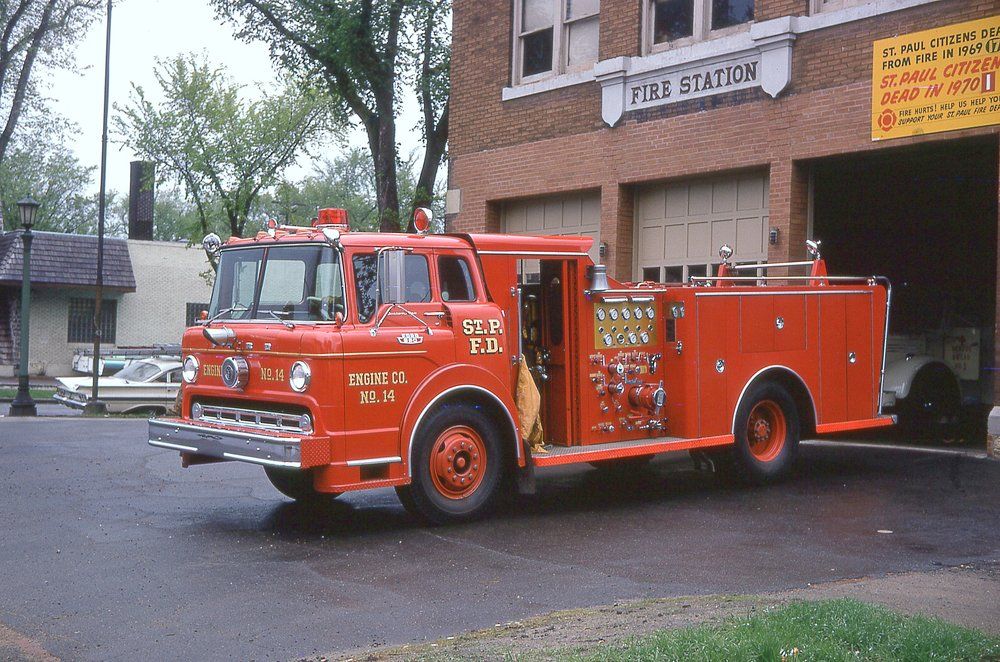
<point>679,226</point>
<point>926,217</point>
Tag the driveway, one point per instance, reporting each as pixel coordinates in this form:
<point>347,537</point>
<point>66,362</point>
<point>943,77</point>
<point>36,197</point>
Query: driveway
<point>112,550</point>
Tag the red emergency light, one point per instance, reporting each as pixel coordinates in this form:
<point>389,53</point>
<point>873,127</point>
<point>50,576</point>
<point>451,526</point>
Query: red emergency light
<point>332,217</point>
<point>422,218</point>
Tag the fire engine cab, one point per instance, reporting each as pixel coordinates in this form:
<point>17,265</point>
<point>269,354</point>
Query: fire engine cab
<point>449,365</point>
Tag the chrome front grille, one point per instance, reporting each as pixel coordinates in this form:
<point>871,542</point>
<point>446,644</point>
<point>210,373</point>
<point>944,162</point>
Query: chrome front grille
<point>257,419</point>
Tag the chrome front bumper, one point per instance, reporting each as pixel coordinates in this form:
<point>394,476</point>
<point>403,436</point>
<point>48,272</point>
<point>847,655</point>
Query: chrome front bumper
<point>212,441</point>
<point>69,402</point>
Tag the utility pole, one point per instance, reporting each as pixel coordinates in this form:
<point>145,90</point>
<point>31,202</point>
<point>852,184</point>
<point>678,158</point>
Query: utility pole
<point>94,405</point>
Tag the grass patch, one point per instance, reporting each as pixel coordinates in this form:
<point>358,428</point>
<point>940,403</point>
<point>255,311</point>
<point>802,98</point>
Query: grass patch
<point>36,393</point>
<point>827,630</point>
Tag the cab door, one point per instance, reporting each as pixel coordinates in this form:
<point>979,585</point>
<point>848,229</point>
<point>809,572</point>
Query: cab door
<point>388,351</point>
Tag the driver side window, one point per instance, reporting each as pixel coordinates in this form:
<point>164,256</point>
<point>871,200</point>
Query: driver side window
<point>418,282</point>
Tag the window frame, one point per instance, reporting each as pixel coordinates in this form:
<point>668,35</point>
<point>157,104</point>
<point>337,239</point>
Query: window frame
<point>701,31</point>
<point>560,27</point>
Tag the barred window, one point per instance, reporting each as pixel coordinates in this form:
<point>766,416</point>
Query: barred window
<point>81,320</point>
<point>193,312</point>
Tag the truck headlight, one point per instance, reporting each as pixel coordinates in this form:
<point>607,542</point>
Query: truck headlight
<point>299,376</point>
<point>190,370</point>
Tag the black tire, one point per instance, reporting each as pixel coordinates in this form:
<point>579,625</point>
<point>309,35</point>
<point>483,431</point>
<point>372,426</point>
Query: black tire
<point>460,438</point>
<point>296,484</point>
<point>932,407</point>
<point>768,451</point>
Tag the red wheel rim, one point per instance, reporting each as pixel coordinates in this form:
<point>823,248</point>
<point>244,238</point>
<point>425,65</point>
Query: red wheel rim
<point>766,430</point>
<point>458,462</point>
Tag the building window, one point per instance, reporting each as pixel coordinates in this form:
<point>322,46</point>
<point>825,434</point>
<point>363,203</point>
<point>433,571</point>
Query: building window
<point>193,312</point>
<point>555,36</point>
<point>674,22</point>
<point>81,320</point>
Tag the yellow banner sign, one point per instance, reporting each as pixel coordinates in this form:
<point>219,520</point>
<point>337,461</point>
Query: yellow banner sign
<point>937,80</point>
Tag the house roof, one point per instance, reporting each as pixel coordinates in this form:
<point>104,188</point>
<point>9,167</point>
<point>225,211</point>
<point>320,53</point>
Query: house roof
<point>59,259</point>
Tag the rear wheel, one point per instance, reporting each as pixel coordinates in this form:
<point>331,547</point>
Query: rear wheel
<point>296,484</point>
<point>766,433</point>
<point>932,407</point>
<point>457,466</point>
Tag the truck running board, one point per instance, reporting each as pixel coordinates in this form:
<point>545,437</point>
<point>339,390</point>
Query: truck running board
<point>621,449</point>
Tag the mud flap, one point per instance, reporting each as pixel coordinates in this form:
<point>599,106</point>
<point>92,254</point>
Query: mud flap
<point>525,476</point>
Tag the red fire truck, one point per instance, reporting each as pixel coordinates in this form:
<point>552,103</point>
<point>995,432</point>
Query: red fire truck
<point>448,365</point>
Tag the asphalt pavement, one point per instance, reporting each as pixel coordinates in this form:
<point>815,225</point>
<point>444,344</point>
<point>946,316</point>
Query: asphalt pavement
<point>112,551</point>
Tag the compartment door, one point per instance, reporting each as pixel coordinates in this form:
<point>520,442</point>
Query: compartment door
<point>832,404</point>
<point>715,314</point>
<point>861,400</point>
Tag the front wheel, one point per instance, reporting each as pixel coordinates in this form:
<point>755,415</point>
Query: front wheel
<point>296,484</point>
<point>457,466</point>
<point>766,433</point>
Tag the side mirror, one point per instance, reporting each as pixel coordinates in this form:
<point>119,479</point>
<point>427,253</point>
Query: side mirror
<point>391,269</point>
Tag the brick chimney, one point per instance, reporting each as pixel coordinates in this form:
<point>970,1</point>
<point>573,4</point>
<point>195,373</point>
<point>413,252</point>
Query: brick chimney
<point>140,200</point>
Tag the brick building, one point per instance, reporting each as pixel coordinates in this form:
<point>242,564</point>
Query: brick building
<point>665,128</point>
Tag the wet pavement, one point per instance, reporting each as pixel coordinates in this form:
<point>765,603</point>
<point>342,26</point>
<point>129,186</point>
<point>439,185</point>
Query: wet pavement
<point>111,550</point>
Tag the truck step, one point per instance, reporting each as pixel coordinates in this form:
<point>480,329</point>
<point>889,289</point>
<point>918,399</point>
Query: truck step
<point>622,449</point>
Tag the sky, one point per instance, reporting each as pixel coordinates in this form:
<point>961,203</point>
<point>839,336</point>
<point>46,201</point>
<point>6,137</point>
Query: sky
<point>143,31</point>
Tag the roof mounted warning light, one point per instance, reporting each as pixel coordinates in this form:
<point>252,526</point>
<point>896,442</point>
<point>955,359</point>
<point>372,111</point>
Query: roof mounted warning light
<point>335,218</point>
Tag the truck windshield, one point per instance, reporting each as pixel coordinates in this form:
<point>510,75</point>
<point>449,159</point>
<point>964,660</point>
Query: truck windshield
<point>293,283</point>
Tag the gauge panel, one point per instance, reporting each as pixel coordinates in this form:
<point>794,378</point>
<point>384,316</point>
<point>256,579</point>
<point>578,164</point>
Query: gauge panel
<point>638,331</point>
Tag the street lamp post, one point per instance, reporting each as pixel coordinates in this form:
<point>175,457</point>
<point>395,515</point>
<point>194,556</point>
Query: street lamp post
<point>23,405</point>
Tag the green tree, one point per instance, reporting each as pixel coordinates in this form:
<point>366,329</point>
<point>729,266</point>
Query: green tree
<point>367,53</point>
<point>35,34</point>
<point>39,164</point>
<point>345,181</point>
<point>224,150</point>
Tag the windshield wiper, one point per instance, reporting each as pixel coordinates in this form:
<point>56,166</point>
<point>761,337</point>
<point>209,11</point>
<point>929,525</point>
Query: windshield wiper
<point>278,316</point>
<point>234,309</point>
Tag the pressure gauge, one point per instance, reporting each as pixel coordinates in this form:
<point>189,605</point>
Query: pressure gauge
<point>621,338</point>
<point>632,338</point>
<point>650,312</point>
<point>644,337</point>
<point>626,314</point>
<point>613,313</point>
<point>638,312</point>
<point>601,314</point>
<point>608,340</point>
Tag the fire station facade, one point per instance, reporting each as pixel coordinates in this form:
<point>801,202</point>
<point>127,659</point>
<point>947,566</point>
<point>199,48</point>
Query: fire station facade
<point>665,128</point>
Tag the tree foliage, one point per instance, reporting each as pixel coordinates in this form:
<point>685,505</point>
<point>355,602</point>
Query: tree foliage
<point>35,34</point>
<point>367,53</point>
<point>39,164</point>
<point>221,148</point>
<point>345,181</point>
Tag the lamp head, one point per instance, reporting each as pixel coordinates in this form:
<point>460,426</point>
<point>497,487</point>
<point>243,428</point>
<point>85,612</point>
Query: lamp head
<point>28,208</point>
